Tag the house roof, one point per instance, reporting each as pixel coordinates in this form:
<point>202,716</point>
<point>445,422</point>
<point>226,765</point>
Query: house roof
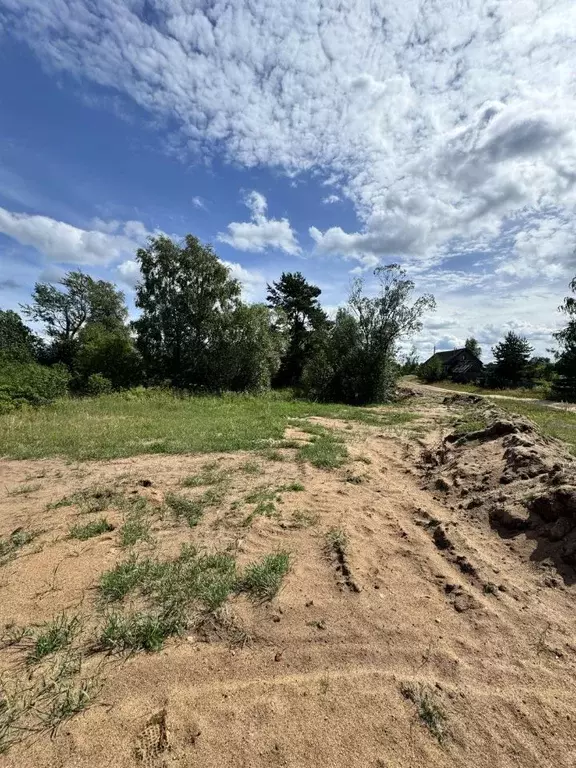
<point>446,356</point>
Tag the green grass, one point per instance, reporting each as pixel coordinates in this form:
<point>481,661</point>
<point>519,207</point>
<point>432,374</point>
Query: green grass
<point>88,531</point>
<point>95,499</point>
<point>336,540</point>
<point>208,476</point>
<point>429,710</point>
<point>153,421</point>
<point>326,451</point>
<point>263,580</point>
<point>22,490</point>
<point>251,468</point>
<point>552,421</point>
<point>135,529</point>
<point>10,545</point>
<point>53,636</point>
<point>537,392</point>
<point>136,631</point>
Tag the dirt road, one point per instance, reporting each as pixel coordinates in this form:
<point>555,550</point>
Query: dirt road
<point>399,673</point>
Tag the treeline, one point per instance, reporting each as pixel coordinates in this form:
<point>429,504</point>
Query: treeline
<point>515,365</point>
<point>195,333</point>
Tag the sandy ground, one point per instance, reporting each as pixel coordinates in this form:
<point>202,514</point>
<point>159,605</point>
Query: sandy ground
<point>323,680</point>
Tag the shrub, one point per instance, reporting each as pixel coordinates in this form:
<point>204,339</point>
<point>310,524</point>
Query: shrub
<point>97,384</point>
<point>31,383</point>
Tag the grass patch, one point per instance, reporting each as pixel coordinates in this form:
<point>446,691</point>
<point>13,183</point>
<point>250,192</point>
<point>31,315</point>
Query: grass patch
<point>303,519</point>
<point>471,421</point>
<point>22,490</point>
<point>272,454</point>
<point>10,545</point>
<point>263,580</point>
<point>54,636</point>
<point>190,510</point>
<point>88,531</point>
<point>336,540</point>
<point>89,500</point>
<point>429,710</point>
<point>137,631</point>
<point>155,421</point>
<point>537,392</point>
<point>552,421</point>
<point>251,468</point>
<point>208,476</point>
<point>135,529</point>
<point>326,451</point>
<point>292,487</point>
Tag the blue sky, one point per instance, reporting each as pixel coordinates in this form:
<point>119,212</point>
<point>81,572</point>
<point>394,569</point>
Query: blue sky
<point>297,135</point>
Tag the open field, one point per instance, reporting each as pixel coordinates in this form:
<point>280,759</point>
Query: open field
<point>536,393</point>
<point>273,583</point>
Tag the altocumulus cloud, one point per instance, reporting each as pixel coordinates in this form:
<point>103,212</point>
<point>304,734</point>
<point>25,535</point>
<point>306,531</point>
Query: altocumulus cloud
<point>440,120</point>
<point>260,233</point>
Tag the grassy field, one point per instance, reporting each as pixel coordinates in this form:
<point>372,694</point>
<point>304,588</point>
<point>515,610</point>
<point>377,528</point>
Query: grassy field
<point>131,423</point>
<point>537,393</point>
<point>552,421</point>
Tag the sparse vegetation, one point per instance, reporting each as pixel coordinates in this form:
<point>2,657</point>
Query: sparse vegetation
<point>88,531</point>
<point>555,422</point>
<point>135,529</point>
<point>23,490</point>
<point>337,540</point>
<point>10,545</point>
<point>326,451</point>
<point>53,636</point>
<point>190,510</point>
<point>429,709</point>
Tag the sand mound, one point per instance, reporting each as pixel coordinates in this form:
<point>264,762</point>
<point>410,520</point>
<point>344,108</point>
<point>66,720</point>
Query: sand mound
<point>519,481</point>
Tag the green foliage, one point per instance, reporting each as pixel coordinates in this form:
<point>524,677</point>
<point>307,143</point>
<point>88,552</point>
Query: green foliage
<point>263,580</point>
<point>17,342</point>
<point>429,709</point>
<point>10,545</point>
<point>97,384</point>
<point>300,316</point>
<point>411,363</point>
<point>190,510</point>
<point>432,370</point>
<point>88,531</point>
<point>110,355</point>
<point>135,529</point>
<point>564,387</point>
<point>472,346</point>
<point>137,631</point>
<point>325,452</point>
<point>354,360</point>
<point>53,636</point>
<point>30,384</point>
<point>512,367</point>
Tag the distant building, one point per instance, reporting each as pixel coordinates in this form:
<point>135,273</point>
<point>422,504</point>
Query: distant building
<point>459,364</point>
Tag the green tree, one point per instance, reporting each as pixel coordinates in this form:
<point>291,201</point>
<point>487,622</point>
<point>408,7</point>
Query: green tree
<point>355,362</point>
<point>301,316</point>
<point>512,356</point>
<point>432,370</point>
<point>108,352</point>
<point>66,312</point>
<point>17,342</point>
<point>564,387</point>
<point>411,362</point>
<point>472,346</point>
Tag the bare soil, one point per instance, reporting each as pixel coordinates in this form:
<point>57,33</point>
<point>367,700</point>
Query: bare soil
<point>426,596</point>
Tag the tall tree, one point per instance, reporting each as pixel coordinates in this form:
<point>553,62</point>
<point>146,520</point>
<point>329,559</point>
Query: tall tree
<point>472,346</point>
<point>185,295</point>
<point>297,301</point>
<point>512,356</point>
<point>17,342</point>
<point>356,361</point>
<point>564,387</point>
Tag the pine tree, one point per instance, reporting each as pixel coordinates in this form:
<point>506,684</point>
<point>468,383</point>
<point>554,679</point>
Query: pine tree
<point>512,360</point>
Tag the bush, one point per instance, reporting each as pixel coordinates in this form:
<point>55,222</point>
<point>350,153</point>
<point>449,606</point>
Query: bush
<point>432,370</point>
<point>97,384</point>
<point>31,383</point>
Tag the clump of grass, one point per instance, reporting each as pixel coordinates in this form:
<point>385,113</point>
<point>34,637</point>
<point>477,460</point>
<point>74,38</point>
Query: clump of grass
<point>302,519</point>
<point>97,499</point>
<point>292,487</point>
<point>22,490</point>
<point>263,580</point>
<point>271,454</point>
<point>116,583</point>
<point>429,710</point>
<point>251,468</point>
<point>337,540</point>
<point>208,476</point>
<point>10,545</point>
<point>191,511</point>
<point>88,531</point>
<point>135,529</point>
<point>136,631</point>
<point>53,636</point>
<point>325,452</point>
<point>289,444</point>
<point>71,698</point>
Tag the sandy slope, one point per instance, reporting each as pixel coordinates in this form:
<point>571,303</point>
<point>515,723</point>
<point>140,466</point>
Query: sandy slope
<point>321,682</point>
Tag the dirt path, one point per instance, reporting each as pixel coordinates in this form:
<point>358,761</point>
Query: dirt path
<point>332,676</point>
<point>430,389</point>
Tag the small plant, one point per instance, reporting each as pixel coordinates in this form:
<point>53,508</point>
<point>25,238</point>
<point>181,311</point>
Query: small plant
<point>337,540</point>
<point>70,698</point>
<point>301,519</point>
<point>17,539</point>
<point>97,499</point>
<point>135,529</point>
<point>429,710</point>
<point>263,580</point>
<point>54,636</point>
<point>116,583</point>
<point>191,511</point>
<point>293,487</point>
<point>88,531</point>
<point>251,468</point>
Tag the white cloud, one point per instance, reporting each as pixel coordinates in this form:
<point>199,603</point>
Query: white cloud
<point>198,202</point>
<point>129,272</point>
<point>252,281</point>
<point>67,244</point>
<point>260,233</point>
<point>330,199</point>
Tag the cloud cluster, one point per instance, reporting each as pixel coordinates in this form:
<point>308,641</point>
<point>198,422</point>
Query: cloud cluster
<point>64,243</point>
<point>260,233</point>
<point>439,121</point>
